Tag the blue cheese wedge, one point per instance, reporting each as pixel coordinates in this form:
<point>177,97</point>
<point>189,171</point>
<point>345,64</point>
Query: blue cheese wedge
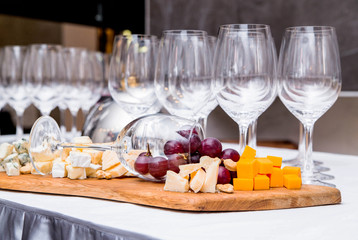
<point>11,158</point>
<point>24,158</point>
<point>76,172</point>
<point>21,146</point>
<point>12,168</point>
<point>5,150</point>
<point>2,169</point>
<point>79,159</point>
<point>26,169</point>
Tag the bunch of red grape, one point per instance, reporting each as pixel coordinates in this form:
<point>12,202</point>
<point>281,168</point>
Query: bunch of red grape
<point>187,150</point>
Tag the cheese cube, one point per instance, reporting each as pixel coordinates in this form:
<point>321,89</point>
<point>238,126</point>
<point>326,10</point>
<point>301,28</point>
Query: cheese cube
<point>44,167</point>
<point>276,177</point>
<point>24,158</point>
<point>92,169</point>
<point>79,159</point>
<point>12,168</point>
<point>249,153</point>
<point>264,165</point>
<point>76,172</point>
<point>292,170</point>
<point>292,181</point>
<point>21,146</point>
<point>12,158</point>
<point>82,140</point>
<point>206,161</point>
<point>59,169</point>
<point>276,161</point>
<point>175,183</point>
<point>186,169</point>
<point>247,168</point>
<point>65,152</point>
<point>243,184</point>
<point>5,150</point>
<point>109,159</point>
<point>26,169</point>
<point>96,156</point>
<point>197,182</point>
<point>117,171</point>
<point>261,182</point>
<point>211,178</point>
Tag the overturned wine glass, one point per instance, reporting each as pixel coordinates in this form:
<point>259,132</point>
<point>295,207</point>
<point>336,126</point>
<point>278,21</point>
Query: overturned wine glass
<point>160,143</point>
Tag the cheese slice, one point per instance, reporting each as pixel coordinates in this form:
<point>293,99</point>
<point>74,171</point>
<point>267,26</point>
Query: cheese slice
<point>59,169</point>
<point>44,167</point>
<point>14,157</point>
<point>92,169</point>
<point>5,150</point>
<point>211,178</point>
<point>26,169</point>
<point>117,171</point>
<point>12,168</point>
<point>96,156</point>
<point>186,169</point>
<point>175,183</point>
<point>79,159</point>
<point>206,161</point>
<point>197,182</point>
<point>76,172</point>
<point>109,159</point>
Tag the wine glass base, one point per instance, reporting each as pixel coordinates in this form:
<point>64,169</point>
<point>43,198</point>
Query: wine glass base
<point>317,182</point>
<point>322,176</point>
<point>316,169</point>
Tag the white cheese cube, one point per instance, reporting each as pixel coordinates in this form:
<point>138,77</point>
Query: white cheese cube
<point>82,140</point>
<point>109,159</point>
<point>12,168</point>
<point>117,170</point>
<point>91,171</point>
<point>175,183</point>
<point>76,172</point>
<point>44,167</point>
<point>59,169</point>
<point>5,150</point>
<point>95,155</point>
<point>79,159</point>
<point>21,146</point>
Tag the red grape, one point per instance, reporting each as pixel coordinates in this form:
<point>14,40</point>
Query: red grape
<point>195,143</point>
<point>230,153</point>
<point>173,147</point>
<point>210,147</point>
<point>195,157</point>
<point>141,164</point>
<point>224,175</point>
<point>158,167</point>
<point>174,161</point>
<point>186,132</point>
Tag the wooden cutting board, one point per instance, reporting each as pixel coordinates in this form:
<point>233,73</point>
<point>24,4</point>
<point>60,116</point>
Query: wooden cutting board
<point>135,190</point>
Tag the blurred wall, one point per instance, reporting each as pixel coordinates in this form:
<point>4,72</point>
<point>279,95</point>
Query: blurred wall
<point>337,130</point>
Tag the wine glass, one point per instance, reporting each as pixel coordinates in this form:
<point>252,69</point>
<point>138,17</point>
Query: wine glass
<point>145,134</point>
<point>131,74</point>
<point>183,73</point>
<point>96,82</point>
<point>245,73</point>
<point>44,75</point>
<point>79,77</point>
<point>310,81</point>
<point>13,87</point>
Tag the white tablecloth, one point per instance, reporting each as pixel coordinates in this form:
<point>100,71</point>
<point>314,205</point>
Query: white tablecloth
<point>322,222</point>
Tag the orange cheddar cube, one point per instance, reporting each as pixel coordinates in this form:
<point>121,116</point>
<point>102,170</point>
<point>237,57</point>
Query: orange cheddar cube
<point>276,177</point>
<point>292,181</point>
<point>249,153</point>
<point>292,170</point>
<point>277,161</point>
<point>243,184</point>
<point>264,165</point>
<point>246,169</point>
<point>261,182</point>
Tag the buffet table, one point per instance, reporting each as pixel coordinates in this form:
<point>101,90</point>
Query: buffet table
<point>54,216</point>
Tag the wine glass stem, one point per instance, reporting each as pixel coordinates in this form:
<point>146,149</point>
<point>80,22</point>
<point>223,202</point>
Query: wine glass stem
<point>89,146</point>
<point>252,138</point>
<point>243,138</point>
<point>203,122</point>
<point>19,125</point>
<point>74,123</point>
<point>62,120</point>
<point>307,173</point>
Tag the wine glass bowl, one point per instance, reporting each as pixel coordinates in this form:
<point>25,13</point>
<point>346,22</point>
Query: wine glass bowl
<point>151,137</point>
<point>131,73</point>
<point>310,81</point>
